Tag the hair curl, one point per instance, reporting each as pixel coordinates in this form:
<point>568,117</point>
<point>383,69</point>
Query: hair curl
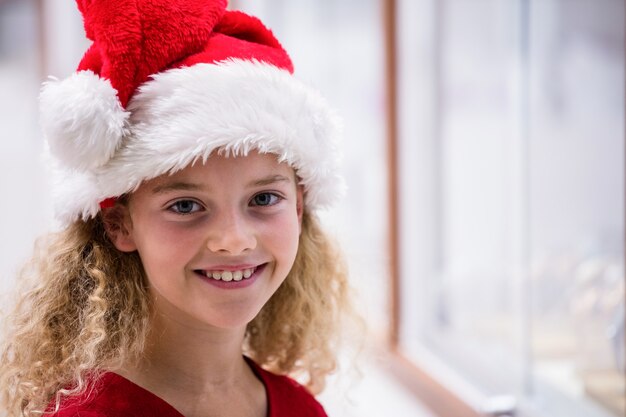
<point>87,310</point>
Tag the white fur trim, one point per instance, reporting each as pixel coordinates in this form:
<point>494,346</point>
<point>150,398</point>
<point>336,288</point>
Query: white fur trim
<point>236,106</point>
<point>82,119</point>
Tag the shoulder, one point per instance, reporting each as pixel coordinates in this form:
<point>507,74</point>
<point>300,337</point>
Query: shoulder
<point>114,396</point>
<point>287,398</point>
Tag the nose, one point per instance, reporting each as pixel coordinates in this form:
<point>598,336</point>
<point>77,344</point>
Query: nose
<point>231,234</point>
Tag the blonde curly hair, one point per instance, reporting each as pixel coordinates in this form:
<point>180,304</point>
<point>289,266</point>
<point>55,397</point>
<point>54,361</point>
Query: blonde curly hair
<point>87,310</point>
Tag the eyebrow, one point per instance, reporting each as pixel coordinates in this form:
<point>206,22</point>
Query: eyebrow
<point>175,186</point>
<point>272,179</point>
<point>189,186</point>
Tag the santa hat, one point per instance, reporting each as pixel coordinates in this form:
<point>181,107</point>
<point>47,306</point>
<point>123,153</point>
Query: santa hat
<point>166,83</point>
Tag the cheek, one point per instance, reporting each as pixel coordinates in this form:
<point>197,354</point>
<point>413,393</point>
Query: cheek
<point>285,237</point>
<point>163,245</point>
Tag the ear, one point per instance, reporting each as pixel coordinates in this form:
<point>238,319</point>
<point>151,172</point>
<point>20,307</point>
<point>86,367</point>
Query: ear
<point>300,204</point>
<point>118,227</point>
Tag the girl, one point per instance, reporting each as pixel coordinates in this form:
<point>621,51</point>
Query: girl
<point>190,275</point>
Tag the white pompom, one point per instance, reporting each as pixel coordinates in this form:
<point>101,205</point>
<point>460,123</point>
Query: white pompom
<point>82,119</point>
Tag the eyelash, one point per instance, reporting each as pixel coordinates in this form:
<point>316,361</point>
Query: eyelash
<point>276,199</point>
<point>175,207</point>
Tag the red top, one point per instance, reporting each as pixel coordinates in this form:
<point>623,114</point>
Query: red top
<point>116,396</point>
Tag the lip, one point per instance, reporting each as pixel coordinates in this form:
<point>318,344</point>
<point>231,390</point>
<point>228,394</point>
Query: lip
<point>233,285</point>
<point>230,267</point>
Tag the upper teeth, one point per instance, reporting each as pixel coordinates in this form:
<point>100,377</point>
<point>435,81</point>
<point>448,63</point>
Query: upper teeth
<point>230,275</point>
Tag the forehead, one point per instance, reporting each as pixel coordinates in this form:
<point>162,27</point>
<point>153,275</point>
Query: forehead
<point>228,169</point>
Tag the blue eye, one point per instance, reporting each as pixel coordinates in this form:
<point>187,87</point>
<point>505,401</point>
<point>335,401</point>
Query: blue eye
<point>185,207</point>
<point>265,199</point>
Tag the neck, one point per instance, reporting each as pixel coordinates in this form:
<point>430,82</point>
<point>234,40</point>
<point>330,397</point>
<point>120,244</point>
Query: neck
<point>199,370</point>
<point>189,358</point>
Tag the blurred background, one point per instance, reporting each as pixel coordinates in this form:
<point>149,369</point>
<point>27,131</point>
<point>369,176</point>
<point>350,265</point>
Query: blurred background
<point>484,220</point>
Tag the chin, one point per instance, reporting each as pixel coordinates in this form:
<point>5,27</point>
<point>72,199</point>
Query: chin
<point>233,321</point>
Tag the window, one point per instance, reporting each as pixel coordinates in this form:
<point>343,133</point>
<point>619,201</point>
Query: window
<point>511,190</point>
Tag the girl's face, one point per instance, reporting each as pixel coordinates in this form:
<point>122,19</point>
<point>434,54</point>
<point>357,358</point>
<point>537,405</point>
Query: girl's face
<point>216,239</point>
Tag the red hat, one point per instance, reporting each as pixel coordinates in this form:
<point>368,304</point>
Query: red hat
<point>168,82</point>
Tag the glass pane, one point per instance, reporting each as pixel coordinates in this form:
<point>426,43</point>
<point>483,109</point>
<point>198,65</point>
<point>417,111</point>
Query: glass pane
<point>472,312</point>
<point>20,166</point>
<point>513,234</point>
<point>577,206</point>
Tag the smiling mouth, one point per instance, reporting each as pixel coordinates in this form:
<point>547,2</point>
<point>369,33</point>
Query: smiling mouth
<point>228,276</point>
